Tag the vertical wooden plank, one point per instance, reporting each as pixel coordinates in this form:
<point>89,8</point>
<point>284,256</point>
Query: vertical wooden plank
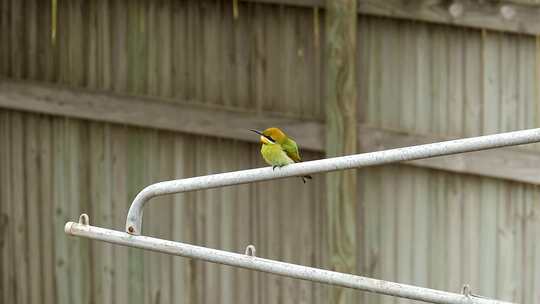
<point>273,87</point>
<point>91,42</point>
<point>258,58</point>
<point>184,273</point>
<point>48,211</point>
<point>61,213</point>
<point>120,204</point>
<point>100,198</point>
<point>137,44</point>
<point>390,65</point>
<point>388,226</point>
<point>508,121</point>
<point>4,36</point>
<point>76,45</point>
<point>424,83</point>
<point>241,64</point>
<point>210,53</point>
<point>489,199</point>
<point>20,223</point>
<point>341,138</point>
<point>289,238</point>
<point>31,20</point>
<point>181,50</point>
<point>79,263</point>
<point>422,202</point>
<point>62,42</point>
<point>8,220</point>
<point>406,180</point>
<point>105,46</point>
<point>228,162</point>
<point>454,182</point>
<point>33,206</point>
<point>119,46</point>
<point>201,150</point>
<point>152,49</point>
<point>471,189</point>
<point>165,48</point>
<point>247,227</point>
<point>228,55</point>
<point>289,99</point>
<point>135,182</point>
<point>440,82</point>
<point>371,181</point>
<point>305,247</point>
<point>48,61</point>
<point>17,41</point>
<point>165,216</point>
<point>535,226</point>
<point>212,212</point>
<point>270,233</point>
<point>529,221</point>
<point>152,289</point>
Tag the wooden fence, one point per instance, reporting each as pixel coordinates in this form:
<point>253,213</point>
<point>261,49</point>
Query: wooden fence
<point>417,225</point>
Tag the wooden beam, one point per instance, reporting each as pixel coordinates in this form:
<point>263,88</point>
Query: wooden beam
<point>507,163</point>
<point>341,139</point>
<point>508,16</point>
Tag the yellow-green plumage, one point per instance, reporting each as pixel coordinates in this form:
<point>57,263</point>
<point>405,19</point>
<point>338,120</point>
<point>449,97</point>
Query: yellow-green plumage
<point>274,155</point>
<point>278,149</point>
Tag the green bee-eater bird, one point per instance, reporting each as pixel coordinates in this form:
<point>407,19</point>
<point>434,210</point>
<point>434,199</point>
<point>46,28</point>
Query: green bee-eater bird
<point>278,149</point>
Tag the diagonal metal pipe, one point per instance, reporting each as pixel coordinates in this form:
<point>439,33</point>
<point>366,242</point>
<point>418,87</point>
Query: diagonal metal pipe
<point>134,217</point>
<point>249,261</point>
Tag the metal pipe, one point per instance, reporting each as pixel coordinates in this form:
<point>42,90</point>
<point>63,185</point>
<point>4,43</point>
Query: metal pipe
<point>134,217</point>
<point>249,261</point>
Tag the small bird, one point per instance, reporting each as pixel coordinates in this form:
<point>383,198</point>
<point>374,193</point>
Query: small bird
<point>278,149</point>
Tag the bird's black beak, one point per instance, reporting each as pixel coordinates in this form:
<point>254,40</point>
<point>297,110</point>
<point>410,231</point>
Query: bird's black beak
<point>258,132</point>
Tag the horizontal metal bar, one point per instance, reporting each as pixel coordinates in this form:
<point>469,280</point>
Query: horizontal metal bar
<point>270,266</point>
<point>134,217</point>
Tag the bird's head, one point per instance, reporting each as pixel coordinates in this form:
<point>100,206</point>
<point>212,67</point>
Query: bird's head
<point>271,136</point>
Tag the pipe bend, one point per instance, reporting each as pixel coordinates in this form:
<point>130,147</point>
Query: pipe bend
<point>135,213</point>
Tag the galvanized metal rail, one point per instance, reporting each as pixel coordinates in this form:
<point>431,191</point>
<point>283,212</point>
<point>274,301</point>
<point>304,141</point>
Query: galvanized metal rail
<point>134,219</point>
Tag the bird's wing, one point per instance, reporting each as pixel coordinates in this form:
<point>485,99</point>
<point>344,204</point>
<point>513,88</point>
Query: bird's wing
<point>291,149</point>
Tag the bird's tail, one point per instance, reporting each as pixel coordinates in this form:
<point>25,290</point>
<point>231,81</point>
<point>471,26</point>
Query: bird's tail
<point>306,177</point>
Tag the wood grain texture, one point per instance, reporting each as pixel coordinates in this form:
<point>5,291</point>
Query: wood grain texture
<point>341,139</point>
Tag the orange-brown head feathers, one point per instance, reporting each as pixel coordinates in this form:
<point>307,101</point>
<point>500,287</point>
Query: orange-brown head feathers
<point>271,136</point>
<point>276,134</point>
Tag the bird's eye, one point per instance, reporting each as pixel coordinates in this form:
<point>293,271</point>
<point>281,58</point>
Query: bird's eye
<point>270,138</point>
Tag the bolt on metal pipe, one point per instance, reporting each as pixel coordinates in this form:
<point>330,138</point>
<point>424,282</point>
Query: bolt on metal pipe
<point>134,217</point>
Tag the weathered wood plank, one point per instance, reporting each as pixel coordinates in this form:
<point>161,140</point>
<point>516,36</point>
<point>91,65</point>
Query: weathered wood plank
<point>341,139</point>
<point>505,16</point>
<point>183,228</point>
<point>507,163</point>
<point>19,220</point>
<point>135,182</point>
<point>33,205</point>
<point>61,213</point>
<point>47,215</point>
<point>100,196</point>
<point>7,227</point>
<point>489,188</point>
<point>120,203</point>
